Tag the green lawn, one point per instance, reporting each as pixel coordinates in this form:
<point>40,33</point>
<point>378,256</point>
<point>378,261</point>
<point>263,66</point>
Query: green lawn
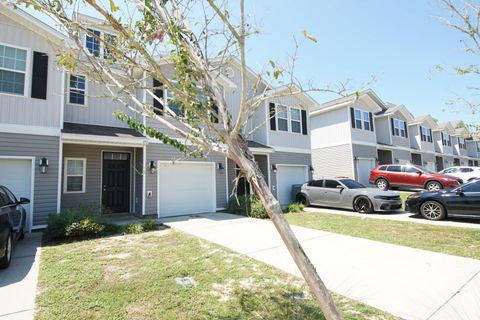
<point>133,277</point>
<point>450,240</point>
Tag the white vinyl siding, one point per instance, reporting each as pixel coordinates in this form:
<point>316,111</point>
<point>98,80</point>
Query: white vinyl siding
<point>75,173</point>
<point>13,66</point>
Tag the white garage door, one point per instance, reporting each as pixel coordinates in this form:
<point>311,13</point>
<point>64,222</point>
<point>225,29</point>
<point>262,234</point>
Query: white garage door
<point>186,188</point>
<point>364,166</point>
<point>16,175</point>
<point>286,177</point>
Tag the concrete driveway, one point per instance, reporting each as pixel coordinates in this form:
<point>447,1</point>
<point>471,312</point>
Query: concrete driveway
<point>409,283</point>
<point>451,221</point>
<point>18,283</point>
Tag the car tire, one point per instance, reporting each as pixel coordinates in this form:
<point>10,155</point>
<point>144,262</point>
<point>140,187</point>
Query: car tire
<point>433,186</point>
<point>382,184</point>
<point>303,200</point>
<point>433,210</point>
<point>5,260</point>
<point>363,205</point>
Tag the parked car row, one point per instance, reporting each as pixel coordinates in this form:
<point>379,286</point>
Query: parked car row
<point>446,193</point>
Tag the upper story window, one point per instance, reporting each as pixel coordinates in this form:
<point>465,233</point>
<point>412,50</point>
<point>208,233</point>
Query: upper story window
<point>426,134</point>
<point>361,119</point>
<point>77,90</point>
<point>92,42</point>
<point>399,128</point>
<point>109,40</point>
<point>282,118</point>
<point>13,65</point>
<point>478,146</point>
<point>446,141</point>
<point>295,120</point>
<point>462,144</point>
<point>173,104</point>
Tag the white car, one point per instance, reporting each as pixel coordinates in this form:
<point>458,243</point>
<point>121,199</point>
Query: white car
<point>464,173</point>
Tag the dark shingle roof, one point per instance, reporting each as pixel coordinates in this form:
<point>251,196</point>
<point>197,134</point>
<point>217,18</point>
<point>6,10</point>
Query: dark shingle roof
<point>90,129</point>
<point>253,144</point>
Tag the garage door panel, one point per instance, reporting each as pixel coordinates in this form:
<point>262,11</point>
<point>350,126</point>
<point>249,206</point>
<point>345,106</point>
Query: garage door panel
<point>286,177</point>
<point>186,188</point>
<point>364,166</point>
<point>16,175</point>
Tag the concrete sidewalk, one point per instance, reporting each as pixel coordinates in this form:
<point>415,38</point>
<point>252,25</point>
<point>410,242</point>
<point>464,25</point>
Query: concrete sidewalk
<point>406,282</point>
<point>18,283</point>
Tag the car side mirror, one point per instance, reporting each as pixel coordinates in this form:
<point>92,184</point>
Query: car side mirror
<point>460,191</point>
<point>340,188</point>
<point>419,172</point>
<point>24,201</point>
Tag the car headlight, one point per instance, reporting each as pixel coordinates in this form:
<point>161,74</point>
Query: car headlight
<point>413,196</point>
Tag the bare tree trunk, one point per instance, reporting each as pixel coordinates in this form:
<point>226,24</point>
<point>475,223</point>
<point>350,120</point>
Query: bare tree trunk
<point>244,159</point>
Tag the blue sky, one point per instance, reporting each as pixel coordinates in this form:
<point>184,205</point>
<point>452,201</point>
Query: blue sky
<point>399,42</point>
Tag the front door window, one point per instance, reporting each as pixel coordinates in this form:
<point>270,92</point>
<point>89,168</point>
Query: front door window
<point>116,181</point>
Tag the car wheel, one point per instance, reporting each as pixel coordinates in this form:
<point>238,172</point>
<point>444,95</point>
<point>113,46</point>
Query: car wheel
<point>433,210</point>
<point>303,200</point>
<point>363,205</point>
<point>5,260</point>
<point>382,184</point>
<point>433,186</point>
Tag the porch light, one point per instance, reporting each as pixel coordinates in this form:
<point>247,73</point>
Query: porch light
<point>43,165</point>
<point>311,169</point>
<point>274,168</point>
<point>221,168</point>
<point>152,166</point>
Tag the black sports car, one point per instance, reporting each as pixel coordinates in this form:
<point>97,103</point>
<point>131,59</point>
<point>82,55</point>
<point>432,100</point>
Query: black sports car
<point>461,200</point>
<point>12,223</point>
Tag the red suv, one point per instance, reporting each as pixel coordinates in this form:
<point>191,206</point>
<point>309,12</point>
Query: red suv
<point>411,176</point>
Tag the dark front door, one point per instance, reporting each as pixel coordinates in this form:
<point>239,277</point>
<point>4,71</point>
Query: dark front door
<point>116,181</point>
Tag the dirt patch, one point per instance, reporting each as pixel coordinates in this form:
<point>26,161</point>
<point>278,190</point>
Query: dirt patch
<point>135,311</point>
<point>223,290</point>
<point>121,256</point>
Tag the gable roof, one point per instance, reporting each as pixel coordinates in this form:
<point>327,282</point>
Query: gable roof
<point>30,22</point>
<point>369,96</point>
<point>445,126</point>
<point>460,129</point>
<point>428,119</point>
<point>295,91</point>
<point>392,109</point>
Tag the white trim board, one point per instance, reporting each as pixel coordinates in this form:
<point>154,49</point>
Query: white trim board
<point>96,140</point>
<point>292,150</point>
<point>34,130</point>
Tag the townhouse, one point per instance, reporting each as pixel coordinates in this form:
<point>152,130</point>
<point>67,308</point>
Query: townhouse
<point>352,134</point>
<point>61,146</point>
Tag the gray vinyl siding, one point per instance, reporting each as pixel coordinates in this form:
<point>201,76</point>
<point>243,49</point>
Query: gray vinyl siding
<point>45,185</point>
<point>428,157</point>
<point>289,139</point>
<point>335,161</point>
<point>22,110</point>
<point>401,155</point>
<point>93,183</point>
<point>382,130</point>
<point>161,152</point>
<point>98,109</point>
<point>287,158</point>
<point>138,173</point>
<point>400,141</point>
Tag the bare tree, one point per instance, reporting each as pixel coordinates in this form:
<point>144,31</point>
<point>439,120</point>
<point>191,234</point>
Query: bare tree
<point>196,37</point>
<point>465,18</point>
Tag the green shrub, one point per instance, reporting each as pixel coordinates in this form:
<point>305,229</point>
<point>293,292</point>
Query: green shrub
<point>86,227</point>
<point>111,229</point>
<point>295,207</point>
<point>149,225</point>
<point>248,205</point>
<point>133,228</point>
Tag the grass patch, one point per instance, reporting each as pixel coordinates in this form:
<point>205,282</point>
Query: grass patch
<point>133,277</point>
<point>455,241</point>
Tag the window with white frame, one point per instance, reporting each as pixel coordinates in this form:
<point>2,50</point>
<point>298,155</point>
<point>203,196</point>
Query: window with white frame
<point>282,118</point>
<point>172,103</point>
<point>446,139</point>
<point>366,121</point>
<point>75,174</point>
<point>426,134</point>
<point>358,119</point>
<point>13,66</point>
<point>400,128</point>
<point>462,144</point>
<point>295,120</point>
<point>478,146</point>
<point>109,41</point>
<point>77,90</point>
<point>92,42</point>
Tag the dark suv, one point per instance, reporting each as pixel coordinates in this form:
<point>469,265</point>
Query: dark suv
<point>411,176</point>
<point>12,223</point>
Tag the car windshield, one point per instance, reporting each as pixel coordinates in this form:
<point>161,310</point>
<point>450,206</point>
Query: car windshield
<point>352,184</point>
<point>425,169</point>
